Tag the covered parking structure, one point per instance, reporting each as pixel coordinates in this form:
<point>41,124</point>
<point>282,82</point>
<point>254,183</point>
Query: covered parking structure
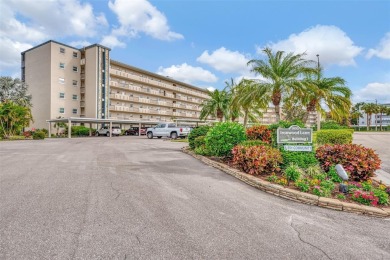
<point>90,121</point>
<point>140,123</point>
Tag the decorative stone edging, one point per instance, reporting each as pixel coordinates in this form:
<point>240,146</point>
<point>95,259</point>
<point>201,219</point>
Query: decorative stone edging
<point>290,194</point>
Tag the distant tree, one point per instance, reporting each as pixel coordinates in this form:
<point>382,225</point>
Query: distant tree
<point>369,109</point>
<point>14,90</point>
<point>13,118</point>
<point>355,113</point>
<point>217,105</point>
<point>383,110</point>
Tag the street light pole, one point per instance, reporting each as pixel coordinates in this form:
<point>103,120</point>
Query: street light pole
<point>318,78</point>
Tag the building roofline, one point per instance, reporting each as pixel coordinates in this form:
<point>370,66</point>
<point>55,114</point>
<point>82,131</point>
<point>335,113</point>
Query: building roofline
<point>50,41</point>
<point>158,75</point>
<point>95,45</point>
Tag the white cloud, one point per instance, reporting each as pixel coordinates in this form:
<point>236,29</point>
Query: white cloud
<point>330,42</point>
<point>112,42</point>
<point>383,50</point>
<point>140,16</point>
<point>10,52</point>
<point>80,44</point>
<point>25,23</point>
<point>373,91</point>
<point>187,73</point>
<point>225,60</point>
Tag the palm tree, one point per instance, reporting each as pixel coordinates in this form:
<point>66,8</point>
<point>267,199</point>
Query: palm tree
<point>251,99</point>
<point>14,90</point>
<point>382,110</point>
<point>281,73</point>
<point>13,118</point>
<point>331,92</point>
<point>369,109</point>
<point>233,109</point>
<point>217,105</point>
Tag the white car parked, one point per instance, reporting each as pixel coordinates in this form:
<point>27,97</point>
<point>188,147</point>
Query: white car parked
<point>105,131</point>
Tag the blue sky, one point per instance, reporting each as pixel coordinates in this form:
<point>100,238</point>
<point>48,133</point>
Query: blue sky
<point>205,43</point>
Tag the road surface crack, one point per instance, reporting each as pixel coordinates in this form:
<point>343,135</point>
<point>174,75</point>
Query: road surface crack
<point>303,241</point>
<point>116,190</point>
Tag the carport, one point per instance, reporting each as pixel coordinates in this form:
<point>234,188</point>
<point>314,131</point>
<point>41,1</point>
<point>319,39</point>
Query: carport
<point>91,121</point>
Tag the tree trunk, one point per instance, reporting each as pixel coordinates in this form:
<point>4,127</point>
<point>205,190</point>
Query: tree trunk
<point>245,117</point>
<point>276,98</point>
<point>381,121</point>
<point>368,121</point>
<point>318,120</point>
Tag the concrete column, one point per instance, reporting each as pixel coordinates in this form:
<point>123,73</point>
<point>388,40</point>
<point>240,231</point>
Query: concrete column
<point>49,129</point>
<point>139,129</point>
<point>90,129</point>
<point>69,128</point>
<point>110,129</point>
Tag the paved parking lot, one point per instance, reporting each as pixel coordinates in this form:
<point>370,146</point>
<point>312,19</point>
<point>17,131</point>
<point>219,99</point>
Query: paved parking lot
<point>380,142</point>
<point>135,198</point>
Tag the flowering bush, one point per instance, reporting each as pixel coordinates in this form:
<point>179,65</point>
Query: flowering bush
<point>383,197</point>
<point>365,197</point>
<point>303,185</point>
<point>358,161</point>
<point>259,132</point>
<point>257,160</point>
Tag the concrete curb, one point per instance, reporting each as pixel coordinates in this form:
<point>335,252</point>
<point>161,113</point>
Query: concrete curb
<point>290,194</point>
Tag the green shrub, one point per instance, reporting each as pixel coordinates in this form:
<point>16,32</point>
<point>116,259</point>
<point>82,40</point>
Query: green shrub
<point>80,130</point>
<point>382,196</point>
<point>358,161</point>
<point>257,160</point>
<point>259,132</point>
<point>221,139</point>
<point>37,135</point>
<point>313,170</point>
<point>252,143</point>
<point>334,137</point>
<point>325,189</point>
<point>333,176</point>
<point>16,137</point>
<point>196,132</point>
<point>199,141</point>
<point>341,196</point>
<point>330,124</point>
<point>201,150</point>
<point>302,159</point>
<point>272,178</point>
<point>293,172</point>
<point>302,185</point>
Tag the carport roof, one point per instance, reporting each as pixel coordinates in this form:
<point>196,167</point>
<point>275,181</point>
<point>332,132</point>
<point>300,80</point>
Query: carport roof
<point>118,121</point>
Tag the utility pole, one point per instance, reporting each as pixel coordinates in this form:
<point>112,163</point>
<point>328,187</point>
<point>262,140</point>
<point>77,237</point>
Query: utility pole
<point>318,78</point>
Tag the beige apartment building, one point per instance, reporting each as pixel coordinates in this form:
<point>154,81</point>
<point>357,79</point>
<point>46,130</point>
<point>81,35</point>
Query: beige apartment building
<point>69,82</point>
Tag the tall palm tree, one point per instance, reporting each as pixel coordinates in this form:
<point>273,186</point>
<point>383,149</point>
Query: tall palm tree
<point>281,73</point>
<point>382,110</point>
<point>331,92</point>
<point>217,105</point>
<point>233,109</point>
<point>251,98</point>
<point>369,109</point>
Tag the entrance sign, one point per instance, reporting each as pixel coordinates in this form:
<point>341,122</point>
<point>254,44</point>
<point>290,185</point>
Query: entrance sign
<point>298,148</point>
<point>294,134</point>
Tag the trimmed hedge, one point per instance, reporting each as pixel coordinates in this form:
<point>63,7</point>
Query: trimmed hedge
<point>343,136</point>
<point>196,132</point>
<point>37,135</point>
<point>252,143</point>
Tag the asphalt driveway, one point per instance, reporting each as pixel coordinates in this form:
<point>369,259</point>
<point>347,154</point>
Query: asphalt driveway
<point>135,198</point>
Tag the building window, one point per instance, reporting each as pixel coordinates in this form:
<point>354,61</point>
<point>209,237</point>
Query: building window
<point>62,50</point>
<point>74,110</point>
<point>62,110</point>
<point>62,65</point>
<point>62,95</point>
<point>74,82</point>
<point>61,80</point>
<point>74,97</point>
<point>75,54</point>
<point>75,68</point>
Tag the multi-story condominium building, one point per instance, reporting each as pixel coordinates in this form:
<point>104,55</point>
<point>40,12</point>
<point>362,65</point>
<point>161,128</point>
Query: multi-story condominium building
<point>376,119</point>
<point>69,82</point>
